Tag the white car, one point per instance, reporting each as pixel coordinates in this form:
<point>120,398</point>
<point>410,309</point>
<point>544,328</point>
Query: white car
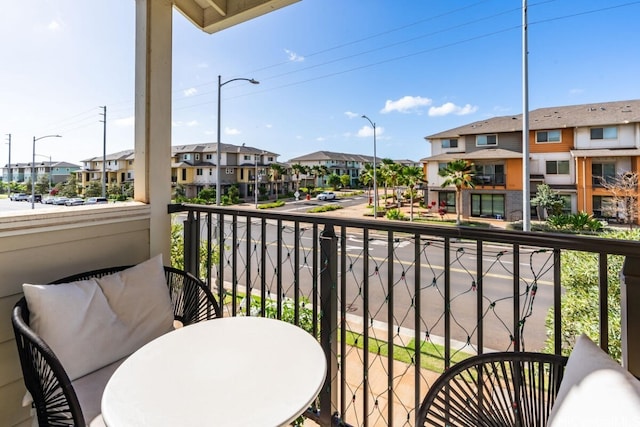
<point>326,195</point>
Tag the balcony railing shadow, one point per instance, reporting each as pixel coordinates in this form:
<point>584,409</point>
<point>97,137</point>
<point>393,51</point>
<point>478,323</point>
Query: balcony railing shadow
<point>392,303</point>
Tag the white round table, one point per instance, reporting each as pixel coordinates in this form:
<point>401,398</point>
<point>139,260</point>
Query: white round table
<point>235,371</point>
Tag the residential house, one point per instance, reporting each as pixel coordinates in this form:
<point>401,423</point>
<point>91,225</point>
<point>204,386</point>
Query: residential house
<point>338,163</point>
<point>56,171</point>
<point>118,168</point>
<point>194,167</point>
<point>570,148</point>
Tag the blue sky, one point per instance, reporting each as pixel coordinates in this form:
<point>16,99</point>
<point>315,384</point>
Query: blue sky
<point>415,68</point>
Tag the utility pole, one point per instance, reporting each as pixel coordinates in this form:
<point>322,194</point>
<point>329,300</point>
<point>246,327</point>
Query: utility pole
<point>10,174</point>
<point>104,151</point>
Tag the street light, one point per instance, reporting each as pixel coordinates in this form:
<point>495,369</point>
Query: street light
<point>218,150</point>
<point>255,178</point>
<point>375,184</point>
<point>33,167</point>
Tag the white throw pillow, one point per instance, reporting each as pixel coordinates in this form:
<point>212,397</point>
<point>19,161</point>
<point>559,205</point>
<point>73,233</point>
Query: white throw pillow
<point>140,297</point>
<point>76,321</point>
<point>595,391</point>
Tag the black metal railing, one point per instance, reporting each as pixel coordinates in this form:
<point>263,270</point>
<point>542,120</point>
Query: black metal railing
<point>392,303</point>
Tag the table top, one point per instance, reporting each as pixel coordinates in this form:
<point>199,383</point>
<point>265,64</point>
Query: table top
<point>233,371</point>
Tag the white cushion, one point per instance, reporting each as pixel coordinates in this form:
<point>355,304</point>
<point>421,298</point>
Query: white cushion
<point>92,323</point>
<point>595,391</point>
<point>89,390</point>
<point>76,321</point>
<point>140,297</point>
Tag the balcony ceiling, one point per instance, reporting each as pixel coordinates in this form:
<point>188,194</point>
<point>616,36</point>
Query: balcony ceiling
<point>214,15</point>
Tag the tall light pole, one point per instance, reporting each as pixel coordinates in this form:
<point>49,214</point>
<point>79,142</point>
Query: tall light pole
<point>255,180</point>
<point>375,184</point>
<point>10,171</point>
<point>33,168</point>
<point>218,149</point>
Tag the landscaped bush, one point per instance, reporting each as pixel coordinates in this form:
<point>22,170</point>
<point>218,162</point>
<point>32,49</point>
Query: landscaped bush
<point>580,303</point>
<point>325,208</point>
<point>275,204</point>
<point>396,214</point>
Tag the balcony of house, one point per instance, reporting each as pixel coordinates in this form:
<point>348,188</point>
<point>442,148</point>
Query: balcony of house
<point>395,304</point>
<point>491,180</point>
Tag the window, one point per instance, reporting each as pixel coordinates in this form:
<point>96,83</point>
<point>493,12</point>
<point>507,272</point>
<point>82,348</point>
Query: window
<point>487,205</point>
<point>210,171</point>
<point>602,171</point>
<point>270,159</point>
<point>549,136</point>
<point>447,199</point>
<point>490,174</point>
<point>197,156</point>
<point>184,174</point>
<point>450,143</point>
<point>208,156</point>
<point>558,167</point>
<point>247,157</point>
<point>604,133</point>
<point>442,166</point>
<point>482,140</point>
<point>229,171</point>
<point>185,157</point>
<point>199,172</point>
<point>603,207</point>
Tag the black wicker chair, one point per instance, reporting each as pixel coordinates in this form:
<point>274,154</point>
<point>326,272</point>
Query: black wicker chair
<point>53,395</point>
<point>495,389</point>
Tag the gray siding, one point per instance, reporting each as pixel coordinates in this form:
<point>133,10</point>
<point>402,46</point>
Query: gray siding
<point>507,141</point>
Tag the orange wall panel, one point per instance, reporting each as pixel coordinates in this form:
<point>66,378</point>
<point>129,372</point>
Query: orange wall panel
<point>552,147</point>
<point>513,169</point>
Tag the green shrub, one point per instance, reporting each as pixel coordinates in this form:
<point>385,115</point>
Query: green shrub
<point>395,214</point>
<point>324,208</point>
<point>275,204</point>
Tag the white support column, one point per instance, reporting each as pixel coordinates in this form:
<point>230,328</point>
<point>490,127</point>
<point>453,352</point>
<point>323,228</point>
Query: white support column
<point>630,315</point>
<point>152,166</point>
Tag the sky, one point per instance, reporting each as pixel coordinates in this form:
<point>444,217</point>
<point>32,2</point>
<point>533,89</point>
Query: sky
<point>414,67</point>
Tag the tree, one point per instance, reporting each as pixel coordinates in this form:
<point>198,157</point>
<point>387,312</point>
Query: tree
<point>297,170</point>
<point>366,178</point>
<point>345,180</point>
<point>93,189</point>
<point>42,185</point>
<point>624,201</point>
<point>70,188</point>
<point>411,176</point>
<point>334,180</point>
<point>277,172</point>
<point>458,173</point>
<point>548,200</point>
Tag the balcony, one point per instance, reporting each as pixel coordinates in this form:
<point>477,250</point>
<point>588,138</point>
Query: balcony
<point>489,179</point>
<point>418,298</point>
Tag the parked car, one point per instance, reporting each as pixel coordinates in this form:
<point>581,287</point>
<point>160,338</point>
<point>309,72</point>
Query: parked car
<point>96,200</point>
<point>326,195</point>
<point>74,201</point>
<point>37,198</point>
<point>60,200</point>
<point>19,197</point>
<point>47,200</point>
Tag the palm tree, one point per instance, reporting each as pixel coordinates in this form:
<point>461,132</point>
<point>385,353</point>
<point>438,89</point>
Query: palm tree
<point>297,170</point>
<point>458,173</point>
<point>366,178</point>
<point>277,172</point>
<point>321,171</point>
<point>411,176</point>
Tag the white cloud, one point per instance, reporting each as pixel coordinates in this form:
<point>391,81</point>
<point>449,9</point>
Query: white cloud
<point>576,91</point>
<point>320,139</point>
<point>190,92</point>
<point>294,57</point>
<point>125,122</point>
<point>231,131</point>
<point>269,126</point>
<point>53,25</point>
<point>351,114</point>
<point>192,123</point>
<point>406,104</point>
<point>367,131</point>
<point>202,65</point>
<point>451,108</point>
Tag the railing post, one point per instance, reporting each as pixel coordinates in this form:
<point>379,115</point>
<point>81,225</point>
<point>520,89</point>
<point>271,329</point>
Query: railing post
<point>630,315</point>
<point>191,244</point>
<point>329,321</point>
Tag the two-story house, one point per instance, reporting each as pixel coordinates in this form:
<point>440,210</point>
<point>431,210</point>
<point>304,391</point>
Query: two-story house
<point>338,163</point>
<point>570,148</point>
<point>118,168</point>
<point>56,171</point>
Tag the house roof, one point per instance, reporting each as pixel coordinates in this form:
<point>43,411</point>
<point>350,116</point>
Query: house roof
<point>595,114</point>
<point>610,152</point>
<point>330,155</point>
<point>212,147</point>
<point>120,155</point>
<point>484,154</point>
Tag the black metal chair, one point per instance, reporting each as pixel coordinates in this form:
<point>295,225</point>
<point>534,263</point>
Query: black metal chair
<point>53,395</point>
<point>495,389</point>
